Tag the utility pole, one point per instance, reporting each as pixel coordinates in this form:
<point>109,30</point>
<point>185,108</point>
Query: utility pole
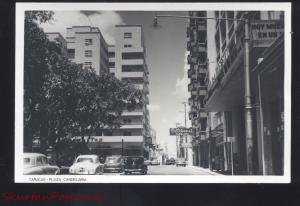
<point>184,103</point>
<point>248,104</point>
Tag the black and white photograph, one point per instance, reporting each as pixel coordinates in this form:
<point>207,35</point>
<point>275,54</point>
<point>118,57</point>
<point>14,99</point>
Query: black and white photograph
<point>153,93</point>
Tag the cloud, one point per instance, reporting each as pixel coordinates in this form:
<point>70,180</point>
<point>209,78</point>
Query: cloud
<point>154,107</point>
<point>104,20</point>
<point>181,86</point>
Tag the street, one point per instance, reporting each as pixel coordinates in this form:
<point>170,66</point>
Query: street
<point>171,170</point>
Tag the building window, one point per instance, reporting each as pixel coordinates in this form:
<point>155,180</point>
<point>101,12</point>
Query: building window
<point>88,53</point>
<point>126,133</point>
<point>133,80</point>
<point>132,68</point>
<point>127,45</point>
<point>133,55</point>
<point>127,121</point>
<point>111,54</point>
<point>88,42</point>
<point>127,35</point>
<point>111,64</point>
<point>71,53</point>
<point>87,65</point>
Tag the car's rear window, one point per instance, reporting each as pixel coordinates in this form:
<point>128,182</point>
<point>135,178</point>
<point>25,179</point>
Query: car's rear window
<point>85,159</point>
<point>112,159</point>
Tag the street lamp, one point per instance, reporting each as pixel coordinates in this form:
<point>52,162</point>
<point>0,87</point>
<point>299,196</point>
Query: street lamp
<point>248,104</point>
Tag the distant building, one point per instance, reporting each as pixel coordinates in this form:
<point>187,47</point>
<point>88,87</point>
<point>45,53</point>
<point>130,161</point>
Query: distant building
<point>87,46</point>
<point>57,37</point>
<point>197,59</point>
<point>127,61</point>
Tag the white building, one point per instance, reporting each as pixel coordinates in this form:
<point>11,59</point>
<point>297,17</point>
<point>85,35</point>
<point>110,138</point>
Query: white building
<point>87,46</point>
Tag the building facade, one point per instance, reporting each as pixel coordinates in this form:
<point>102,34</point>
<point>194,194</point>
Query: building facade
<point>87,46</point>
<point>226,91</point>
<point>127,61</point>
<point>197,59</point>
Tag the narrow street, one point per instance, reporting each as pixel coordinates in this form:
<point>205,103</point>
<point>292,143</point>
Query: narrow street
<point>171,170</point>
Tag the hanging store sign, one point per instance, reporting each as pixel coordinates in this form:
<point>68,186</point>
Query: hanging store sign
<point>181,131</point>
<point>264,32</point>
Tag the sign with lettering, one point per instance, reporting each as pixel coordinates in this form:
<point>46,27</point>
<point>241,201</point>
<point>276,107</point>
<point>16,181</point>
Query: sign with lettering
<point>264,32</point>
<point>181,131</point>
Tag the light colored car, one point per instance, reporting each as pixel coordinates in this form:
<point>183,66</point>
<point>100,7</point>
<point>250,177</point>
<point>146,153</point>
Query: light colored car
<point>37,164</point>
<point>86,164</point>
<point>155,161</point>
<point>180,162</point>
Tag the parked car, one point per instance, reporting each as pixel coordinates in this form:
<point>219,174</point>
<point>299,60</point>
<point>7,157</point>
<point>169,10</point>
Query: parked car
<point>180,162</point>
<point>135,164</point>
<point>170,161</point>
<point>114,164</point>
<point>37,164</point>
<point>155,161</point>
<point>87,164</point>
<point>147,162</point>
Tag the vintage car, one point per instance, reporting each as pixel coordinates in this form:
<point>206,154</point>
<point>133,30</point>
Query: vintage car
<point>155,161</point>
<point>170,161</point>
<point>180,162</point>
<point>147,162</point>
<point>135,164</point>
<point>37,164</point>
<point>114,163</point>
<point>86,165</point>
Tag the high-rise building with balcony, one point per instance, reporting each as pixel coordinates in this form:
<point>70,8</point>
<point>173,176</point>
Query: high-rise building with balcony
<point>127,61</point>
<point>87,46</point>
<point>197,59</point>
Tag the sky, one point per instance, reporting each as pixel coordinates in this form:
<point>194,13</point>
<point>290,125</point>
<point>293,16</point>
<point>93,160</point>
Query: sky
<point>166,59</point>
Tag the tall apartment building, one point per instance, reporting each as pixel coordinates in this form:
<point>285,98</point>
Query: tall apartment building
<point>197,59</point>
<point>226,91</point>
<point>127,61</point>
<point>87,46</point>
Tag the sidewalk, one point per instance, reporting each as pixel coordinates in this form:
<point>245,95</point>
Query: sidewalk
<point>207,170</point>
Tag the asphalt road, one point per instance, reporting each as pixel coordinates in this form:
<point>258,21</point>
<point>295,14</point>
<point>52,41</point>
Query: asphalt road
<point>170,170</point>
<point>173,170</point>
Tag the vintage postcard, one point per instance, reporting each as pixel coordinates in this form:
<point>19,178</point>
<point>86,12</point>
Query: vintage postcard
<point>153,93</point>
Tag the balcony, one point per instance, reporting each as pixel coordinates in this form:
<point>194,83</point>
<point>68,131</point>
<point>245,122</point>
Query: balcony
<point>146,99</point>
<point>192,115</point>
<point>188,46</point>
<point>133,113</point>
<point>132,74</point>
<point>202,27</point>
<point>194,109</point>
<point>146,89</point>
<point>191,71</point>
<point>202,90</point>
<point>202,68</point>
<point>132,126</point>
<point>193,86</point>
<point>192,59</point>
<point>202,114</point>
<point>133,62</point>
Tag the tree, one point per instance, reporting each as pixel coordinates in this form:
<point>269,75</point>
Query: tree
<point>35,68</point>
<point>61,97</point>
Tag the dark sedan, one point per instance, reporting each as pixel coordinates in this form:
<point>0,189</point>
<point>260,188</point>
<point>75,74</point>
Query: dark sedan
<point>135,164</point>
